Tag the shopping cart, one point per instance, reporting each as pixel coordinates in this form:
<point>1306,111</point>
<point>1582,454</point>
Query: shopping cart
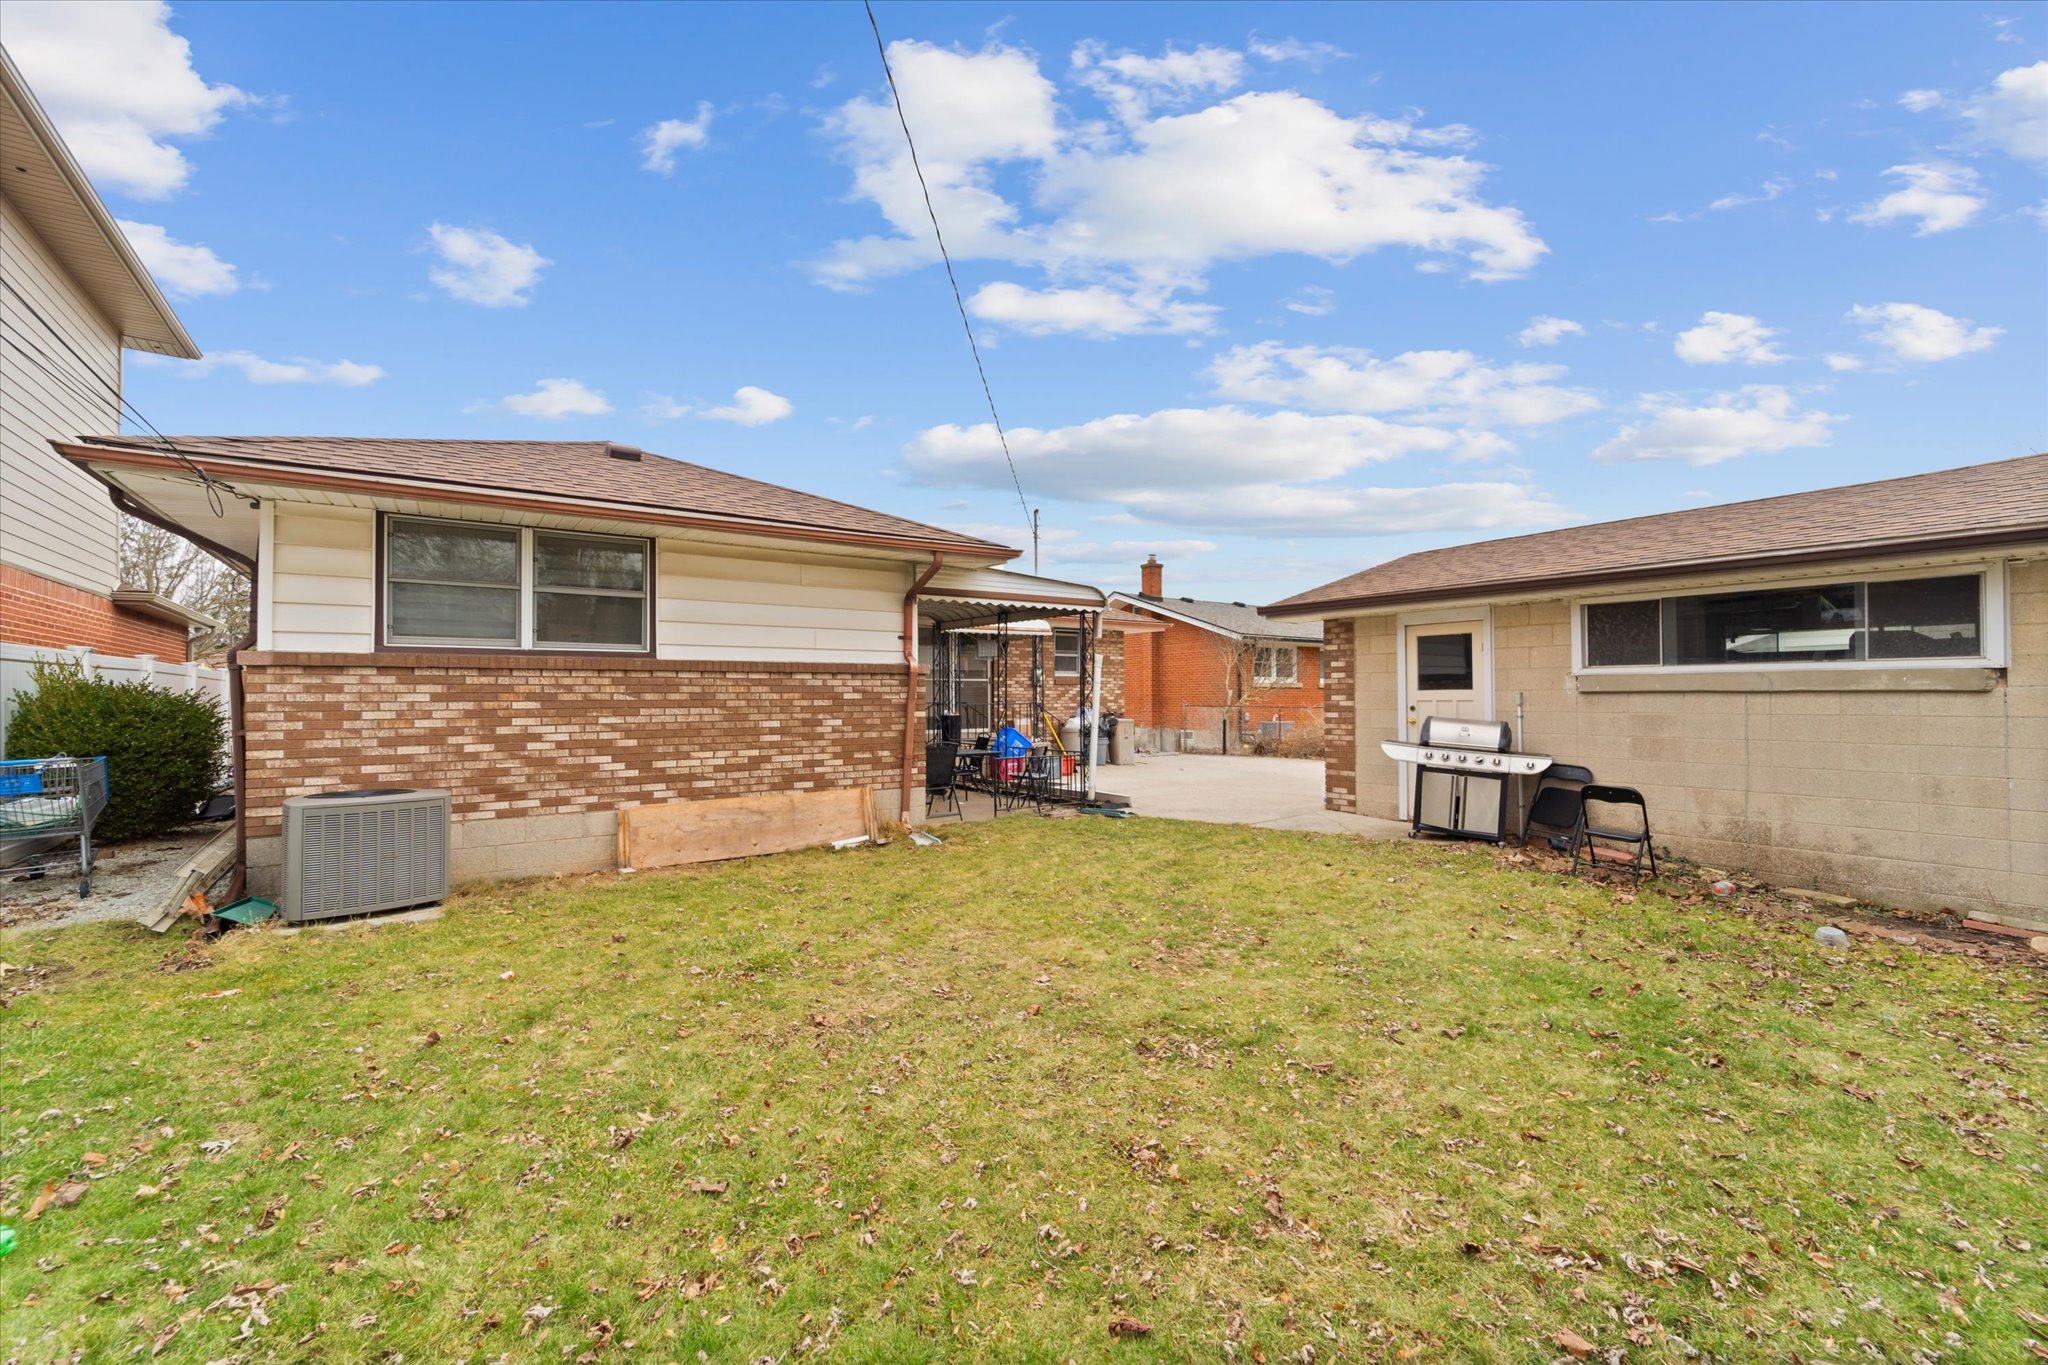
<point>47,808</point>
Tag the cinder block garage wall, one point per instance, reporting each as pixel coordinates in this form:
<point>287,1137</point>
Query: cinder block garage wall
<point>540,752</point>
<point>1915,798</point>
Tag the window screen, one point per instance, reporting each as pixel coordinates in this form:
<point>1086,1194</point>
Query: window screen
<point>1443,663</point>
<point>1066,653</point>
<point>1275,664</point>
<point>453,582</point>
<point>1624,634</point>
<point>1926,618</point>
<point>589,591</point>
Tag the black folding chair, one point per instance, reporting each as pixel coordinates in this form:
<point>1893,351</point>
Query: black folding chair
<point>941,778</point>
<point>1557,804</point>
<point>1608,823</point>
<point>1032,784</point>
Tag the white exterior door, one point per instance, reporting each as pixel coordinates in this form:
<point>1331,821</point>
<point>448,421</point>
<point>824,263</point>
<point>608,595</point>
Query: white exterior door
<point>1444,673</point>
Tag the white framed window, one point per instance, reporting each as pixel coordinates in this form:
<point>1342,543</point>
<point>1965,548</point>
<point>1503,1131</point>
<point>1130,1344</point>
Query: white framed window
<point>1909,618</point>
<point>477,585</point>
<point>1275,665</point>
<point>1066,654</point>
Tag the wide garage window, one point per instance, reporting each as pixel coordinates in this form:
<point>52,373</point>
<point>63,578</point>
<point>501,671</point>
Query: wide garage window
<point>481,586</point>
<point>1846,622</point>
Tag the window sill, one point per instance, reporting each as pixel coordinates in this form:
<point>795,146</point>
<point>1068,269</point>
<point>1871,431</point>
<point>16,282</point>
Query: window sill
<point>1960,678</point>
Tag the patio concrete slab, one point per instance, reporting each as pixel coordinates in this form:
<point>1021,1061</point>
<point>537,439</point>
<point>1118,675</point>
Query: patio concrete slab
<point>1270,793</point>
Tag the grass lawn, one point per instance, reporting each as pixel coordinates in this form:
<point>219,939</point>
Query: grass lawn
<point>1271,1096</point>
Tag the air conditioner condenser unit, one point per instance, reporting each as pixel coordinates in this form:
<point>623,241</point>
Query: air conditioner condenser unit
<point>358,852</point>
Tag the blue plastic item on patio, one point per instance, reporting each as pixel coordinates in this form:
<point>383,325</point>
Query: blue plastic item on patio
<point>1011,743</point>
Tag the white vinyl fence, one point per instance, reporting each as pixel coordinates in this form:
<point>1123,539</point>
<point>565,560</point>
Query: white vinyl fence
<point>16,660</point>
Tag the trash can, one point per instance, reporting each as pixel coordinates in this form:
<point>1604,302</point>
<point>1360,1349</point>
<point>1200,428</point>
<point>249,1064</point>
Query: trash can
<point>1122,740</point>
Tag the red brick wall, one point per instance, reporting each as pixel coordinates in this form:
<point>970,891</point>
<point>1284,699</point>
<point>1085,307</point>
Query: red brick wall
<point>1340,718</point>
<point>1185,665</point>
<point>515,735</point>
<point>1062,693</point>
<point>39,611</point>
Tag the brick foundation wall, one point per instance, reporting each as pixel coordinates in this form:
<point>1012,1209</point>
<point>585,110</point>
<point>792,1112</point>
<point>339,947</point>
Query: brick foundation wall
<point>39,611</point>
<point>1340,718</point>
<point>519,736</point>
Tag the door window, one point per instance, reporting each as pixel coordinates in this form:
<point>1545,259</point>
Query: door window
<point>1443,663</point>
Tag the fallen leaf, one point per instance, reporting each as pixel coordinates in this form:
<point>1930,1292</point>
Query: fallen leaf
<point>1574,1345</point>
<point>712,1187</point>
<point>1128,1327</point>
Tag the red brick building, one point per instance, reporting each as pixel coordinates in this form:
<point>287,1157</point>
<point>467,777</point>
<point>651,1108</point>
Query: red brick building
<point>1218,675</point>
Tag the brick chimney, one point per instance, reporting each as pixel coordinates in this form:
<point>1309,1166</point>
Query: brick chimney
<point>1151,577</point>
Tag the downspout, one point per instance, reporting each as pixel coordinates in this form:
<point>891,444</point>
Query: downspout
<point>238,733</point>
<point>910,672</point>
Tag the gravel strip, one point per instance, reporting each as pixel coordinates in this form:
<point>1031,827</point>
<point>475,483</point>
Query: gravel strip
<point>129,882</point>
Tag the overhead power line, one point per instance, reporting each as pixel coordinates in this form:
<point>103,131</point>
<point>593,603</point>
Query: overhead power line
<point>50,367</point>
<point>1002,437</point>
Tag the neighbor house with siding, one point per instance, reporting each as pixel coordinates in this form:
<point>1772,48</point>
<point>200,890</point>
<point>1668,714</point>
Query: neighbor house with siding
<point>73,297</point>
<point>1844,690</point>
<point>556,629</point>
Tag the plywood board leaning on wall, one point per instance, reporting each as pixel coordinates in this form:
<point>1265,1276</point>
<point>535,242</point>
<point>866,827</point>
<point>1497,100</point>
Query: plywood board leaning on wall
<point>680,832</point>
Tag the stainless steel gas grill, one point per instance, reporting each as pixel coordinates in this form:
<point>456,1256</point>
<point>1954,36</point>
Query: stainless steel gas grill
<point>1462,768</point>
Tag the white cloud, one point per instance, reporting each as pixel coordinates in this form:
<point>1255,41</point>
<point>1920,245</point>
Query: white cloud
<point>1774,188</point>
<point>1224,469</point>
<point>1175,447</point>
<point>1311,300</point>
<point>1310,54</point>
<point>1133,85</point>
<point>554,399</point>
<point>1435,386</point>
<point>1064,545</point>
<point>1545,330</point>
<point>1276,510</point>
<point>1843,364</point>
<point>751,407</point>
<point>254,368</point>
<point>2012,116</point>
<point>1728,338</point>
<point>1757,419</point>
<point>1155,200</point>
<point>185,269</point>
<point>659,407</point>
<point>1942,196</point>
<point>1912,332</point>
<point>481,266</point>
<point>1920,101</point>
<point>1095,310</point>
<point>120,87</point>
<point>660,143</point>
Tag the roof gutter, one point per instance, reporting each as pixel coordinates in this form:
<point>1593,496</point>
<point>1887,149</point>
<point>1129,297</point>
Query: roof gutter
<point>299,476</point>
<point>910,672</point>
<point>2008,537</point>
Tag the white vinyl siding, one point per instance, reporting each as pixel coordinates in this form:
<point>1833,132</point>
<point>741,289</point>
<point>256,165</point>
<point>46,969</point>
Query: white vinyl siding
<point>321,574</point>
<point>55,521</point>
<point>735,604</point>
<point>320,565</point>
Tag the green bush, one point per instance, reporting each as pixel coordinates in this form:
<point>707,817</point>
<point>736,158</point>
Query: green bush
<point>163,749</point>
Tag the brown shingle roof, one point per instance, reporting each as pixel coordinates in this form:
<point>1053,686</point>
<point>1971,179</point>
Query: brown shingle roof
<point>582,470</point>
<point>1982,504</point>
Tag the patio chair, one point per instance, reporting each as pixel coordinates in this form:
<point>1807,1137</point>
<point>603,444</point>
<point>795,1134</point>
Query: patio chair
<point>1557,804</point>
<point>941,778</point>
<point>1033,780</point>
<point>1611,824</point>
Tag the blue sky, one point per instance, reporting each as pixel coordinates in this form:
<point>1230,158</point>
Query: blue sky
<point>1275,291</point>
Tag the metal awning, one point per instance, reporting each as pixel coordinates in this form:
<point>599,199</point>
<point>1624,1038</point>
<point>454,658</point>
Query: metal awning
<point>958,597</point>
